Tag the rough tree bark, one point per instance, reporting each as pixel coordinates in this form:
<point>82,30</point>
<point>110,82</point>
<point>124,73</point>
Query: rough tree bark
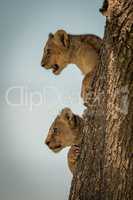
<point>105,165</point>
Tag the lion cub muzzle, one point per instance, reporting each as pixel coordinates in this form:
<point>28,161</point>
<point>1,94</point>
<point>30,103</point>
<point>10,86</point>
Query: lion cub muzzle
<point>55,67</point>
<point>55,147</point>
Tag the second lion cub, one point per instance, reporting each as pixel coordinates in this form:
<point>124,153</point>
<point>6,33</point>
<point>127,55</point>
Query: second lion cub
<point>66,130</point>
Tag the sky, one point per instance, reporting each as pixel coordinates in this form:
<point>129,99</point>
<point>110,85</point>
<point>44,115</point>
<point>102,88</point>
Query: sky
<point>31,97</point>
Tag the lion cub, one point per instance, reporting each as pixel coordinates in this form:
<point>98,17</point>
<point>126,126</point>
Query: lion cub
<point>62,49</point>
<point>66,131</point>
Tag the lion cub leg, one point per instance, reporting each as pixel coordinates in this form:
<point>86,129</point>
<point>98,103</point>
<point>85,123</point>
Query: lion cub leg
<point>85,86</point>
<point>104,8</point>
<point>72,157</point>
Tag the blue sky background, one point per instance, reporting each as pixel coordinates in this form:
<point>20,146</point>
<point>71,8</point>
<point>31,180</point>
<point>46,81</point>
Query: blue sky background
<point>28,169</point>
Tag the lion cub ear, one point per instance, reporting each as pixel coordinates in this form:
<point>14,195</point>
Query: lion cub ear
<point>62,38</point>
<point>67,114</point>
<point>51,35</point>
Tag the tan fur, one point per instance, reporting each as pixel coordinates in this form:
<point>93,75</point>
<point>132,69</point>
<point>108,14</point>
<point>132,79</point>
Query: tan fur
<point>85,86</point>
<point>66,131</point>
<point>72,157</point>
<point>62,49</point>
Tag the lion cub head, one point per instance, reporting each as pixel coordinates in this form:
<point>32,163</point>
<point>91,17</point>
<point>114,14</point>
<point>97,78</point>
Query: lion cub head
<point>64,131</point>
<point>55,55</point>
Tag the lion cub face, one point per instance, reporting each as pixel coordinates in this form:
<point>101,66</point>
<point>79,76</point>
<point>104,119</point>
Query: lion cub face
<point>55,55</point>
<point>64,131</point>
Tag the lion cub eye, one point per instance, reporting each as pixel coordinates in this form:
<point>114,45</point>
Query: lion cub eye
<point>55,130</point>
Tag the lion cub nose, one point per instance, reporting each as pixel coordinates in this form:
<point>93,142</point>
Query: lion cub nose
<point>42,64</point>
<point>47,142</point>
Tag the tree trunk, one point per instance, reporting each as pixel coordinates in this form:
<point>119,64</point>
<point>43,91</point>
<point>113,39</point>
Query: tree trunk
<point>105,165</point>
